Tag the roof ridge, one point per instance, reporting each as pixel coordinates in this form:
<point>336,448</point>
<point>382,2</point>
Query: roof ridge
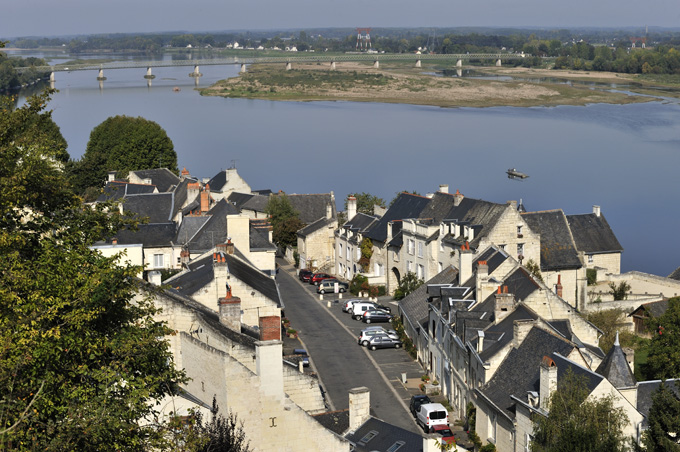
<point>543,211</point>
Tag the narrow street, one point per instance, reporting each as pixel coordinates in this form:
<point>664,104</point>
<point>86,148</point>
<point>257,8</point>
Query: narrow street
<point>342,364</point>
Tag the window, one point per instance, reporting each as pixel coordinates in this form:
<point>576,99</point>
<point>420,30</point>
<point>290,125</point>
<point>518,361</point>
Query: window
<point>349,252</point>
<point>502,247</point>
<point>590,258</point>
<point>421,271</point>
<point>396,446</point>
<point>519,232</point>
<point>411,246</point>
<point>158,261</point>
<point>420,249</point>
<point>368,436</point>
<point>520,249</point>
<point>340,249</point>
<point>409,266</point>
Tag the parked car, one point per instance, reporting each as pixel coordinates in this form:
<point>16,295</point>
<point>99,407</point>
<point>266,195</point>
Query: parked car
<point>359,308</point>
<point>383,341</point>
<point>328,286</point>
<point>316,278</point>
<point>304,275</point>
<point>382,306</point>
<point>347,307</point>
<point>304,357</point>
<point>431,414</point>
<point>367,333</point>
<point>446,434</point>
<point>416,401</point>
<point>376,315</point>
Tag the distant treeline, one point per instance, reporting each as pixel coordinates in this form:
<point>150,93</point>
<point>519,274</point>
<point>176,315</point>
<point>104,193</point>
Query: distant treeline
<point>663,59</point>
<point>11,79</point>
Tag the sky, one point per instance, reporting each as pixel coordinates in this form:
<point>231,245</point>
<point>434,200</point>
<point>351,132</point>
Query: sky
<point>70,17</point>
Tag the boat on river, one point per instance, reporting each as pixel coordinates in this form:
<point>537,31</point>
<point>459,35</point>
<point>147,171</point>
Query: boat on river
<point>514,174</point>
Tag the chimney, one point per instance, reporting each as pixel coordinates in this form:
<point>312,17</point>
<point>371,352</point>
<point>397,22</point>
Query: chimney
<point>443,188</point>
<point>184,173</point>
<point>389,231</point>
<point>270,328</point>
<point>184,256</point>
<point>558,286</point>
<point>457,198</point>
<point>548,381</point>
<point>230,311</point>
<point>512,204</point>
<point>351,207</point>
<point>465,265</point>
<point>359,407</point>
<point>596,210</point>
<point>504,303</point>
<point>238,228</point>
<point>269,367</point>
<point>193,189</point>
<point>154,277</point>
<point>329,211</point>
<point>205,199</point>
<point>114,241</point>
<point>480,341</point>
<point>520,330</point>
<point>112,176</point>
<point>229,247</point>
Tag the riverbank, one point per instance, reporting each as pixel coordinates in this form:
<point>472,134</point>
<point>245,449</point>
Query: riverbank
<point>395,83</point>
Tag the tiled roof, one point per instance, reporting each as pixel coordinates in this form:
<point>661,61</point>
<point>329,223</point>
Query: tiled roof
<point>157,207</point>
<point>675,274</point>
<point>254,278</point>
<point>406,205</point>
<point>312,207</point>
<point>152,235</point>
<point>414,305</point>
<point>520,284</point>
<point>119,189</point>
<point>162,178</point>
<point>656,308</point>
<point>214,231</point>
<point>259,239</point>
<point>360,222</point>
<point>218,181</point>
<point>438,208</point>
<point>256,203</point>
<point>385,436</point>
<point>189,227</point>
<point>518,373</point>
<point>558,250</point>
<point>592,234</point>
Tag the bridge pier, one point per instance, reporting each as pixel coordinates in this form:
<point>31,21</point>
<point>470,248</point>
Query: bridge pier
<point>418,63</point>
<point>196,73</point>
<point>52,76</point>
<point>376,64</point>
<point>149,75</point>
<point>289,66</point>
<point>459,63</point>
<point>498,62</point>
<point>101,77</point>
<point>459,72</point>
<point>243,68</point>
<point>332,65</point>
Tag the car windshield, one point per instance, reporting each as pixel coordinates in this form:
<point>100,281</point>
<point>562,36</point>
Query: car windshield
<point>445,432</point>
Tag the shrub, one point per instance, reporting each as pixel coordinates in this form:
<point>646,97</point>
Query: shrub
<point>356,285</point>
<point>591,276</point>
<point>619,292</point>
<point>381,291</point>
<point>296,257</point>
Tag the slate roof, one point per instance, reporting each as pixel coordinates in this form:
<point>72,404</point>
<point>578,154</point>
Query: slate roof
<point>504,331</point>
<point>189,227</point>
<point>119,189</point>
<point>518,373</point>
<point>438,208</point>
<point>335,421</point>
<point>157,207</point>
<point>218,181</point>
<point>645,392</point>
<point>313,206</point>
<point>654,309</point>
<point>180,195</point>
<point>406,205</point>
<point>360,222</point>
<point>214,231</point>
<point>162,178</point>
<point>315,226</point>
<point>239,199</point>
<point>479,213</point>
<point>256,203</point>
<point>592,234</point>
<point>199,274</point>
<point>558,250</point>
<point>151,235</point>
<point>254,278</point>
<point>259,239</point>
<point>386,435</point>
<point>414,305</point>
<point>520,284</point>
<point>615,368</point>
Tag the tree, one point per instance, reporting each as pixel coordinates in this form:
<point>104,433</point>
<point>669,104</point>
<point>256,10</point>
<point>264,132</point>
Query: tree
<point>663,360</point>
<point>81,360</point>
<point>366,202</point>
<point>574,423</point>
<point>285,220</point>
<point>612,322</point>
<point>123,144</point>
<point>664,422</point>
<point>407,284</point>
<point>620,291</point>
<point>366,253</point>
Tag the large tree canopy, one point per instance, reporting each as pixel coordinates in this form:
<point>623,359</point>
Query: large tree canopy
<point>663,360</point>
<point>664,422</point>
<point>123,144</point>
<point>80,363</point>
<point>285,220</point>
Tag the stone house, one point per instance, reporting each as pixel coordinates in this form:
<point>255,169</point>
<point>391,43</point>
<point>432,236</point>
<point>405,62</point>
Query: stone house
<point>226,182</point>
<point>348,240</point>
<point>316,243</point>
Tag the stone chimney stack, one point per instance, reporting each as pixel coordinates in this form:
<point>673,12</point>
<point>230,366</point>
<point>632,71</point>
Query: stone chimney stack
<point>230,311</point>
<point>193,189</point>
<point>596,210</point>
<point>465,264</point>
<point>269,367</point>
<point>548,381</point>
<point>504,303</point>
<point>351,207</point>
<point>443,188</point>
<point>205,199</point>
<point>359,407</point>
<point>329,211</point>
<point>185,173</point>
<point>154,277</point>
<point>238,229</point>
<point>558,286</point>
<point>457,198</point>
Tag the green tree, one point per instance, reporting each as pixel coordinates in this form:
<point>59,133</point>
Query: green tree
<point>620,291</point>
<point>81,358</point>
<point>663,360</point>
<point>285,220</point>
<point>611,322</point>
<point>123,144</point>
<point>366,253</point>
<point>577,424</point>
<point>664,422</point>
<point>407,284</point>
<point>534,269</point>
<point>365,202</point>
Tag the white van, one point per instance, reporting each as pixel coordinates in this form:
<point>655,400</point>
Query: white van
<point>358,309</point>
<point>431,414</point>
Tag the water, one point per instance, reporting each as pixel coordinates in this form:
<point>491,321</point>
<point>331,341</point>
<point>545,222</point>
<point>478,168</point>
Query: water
<point>621,157</point>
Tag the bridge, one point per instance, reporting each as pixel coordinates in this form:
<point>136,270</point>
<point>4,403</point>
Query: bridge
<point>375,58</point>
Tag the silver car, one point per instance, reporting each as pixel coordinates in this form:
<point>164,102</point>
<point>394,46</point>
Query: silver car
<point>367,333</point>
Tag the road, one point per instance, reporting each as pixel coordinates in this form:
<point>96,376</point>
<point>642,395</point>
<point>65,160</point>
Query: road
<point>330,337</point>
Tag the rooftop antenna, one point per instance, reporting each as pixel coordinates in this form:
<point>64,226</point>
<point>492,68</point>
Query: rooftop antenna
<point>233,164</point>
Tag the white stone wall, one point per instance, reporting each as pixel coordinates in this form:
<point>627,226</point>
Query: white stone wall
<point>573,284</point>
<point>235,183</point>
<point>133,254</point>
<point>319,247</point>
<point>611,262</point>
<point>170,257</point>
<point>303,389</point>
<point>504,232</point>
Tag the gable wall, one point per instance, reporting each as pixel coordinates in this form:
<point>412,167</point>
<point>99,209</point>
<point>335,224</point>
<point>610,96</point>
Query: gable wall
<point>611,262</point>
<point>319,247</point>
<point>504,232</point>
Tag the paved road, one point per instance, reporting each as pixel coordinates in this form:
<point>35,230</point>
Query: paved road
<point>330,337</point>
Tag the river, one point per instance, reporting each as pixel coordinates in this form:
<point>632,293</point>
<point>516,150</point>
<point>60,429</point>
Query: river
<point>624,158</point>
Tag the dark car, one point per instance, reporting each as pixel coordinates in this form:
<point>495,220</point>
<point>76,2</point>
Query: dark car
<point>304,357</point>
<point>416,401</point>
<point>382,307</point>
<point>383,341</point>
<point>376,315</point>
<point>304,275</point>
<point>317,277</point>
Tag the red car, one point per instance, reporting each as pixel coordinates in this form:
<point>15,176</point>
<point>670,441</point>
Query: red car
<point>445,432</point>
<point>316,277</point>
